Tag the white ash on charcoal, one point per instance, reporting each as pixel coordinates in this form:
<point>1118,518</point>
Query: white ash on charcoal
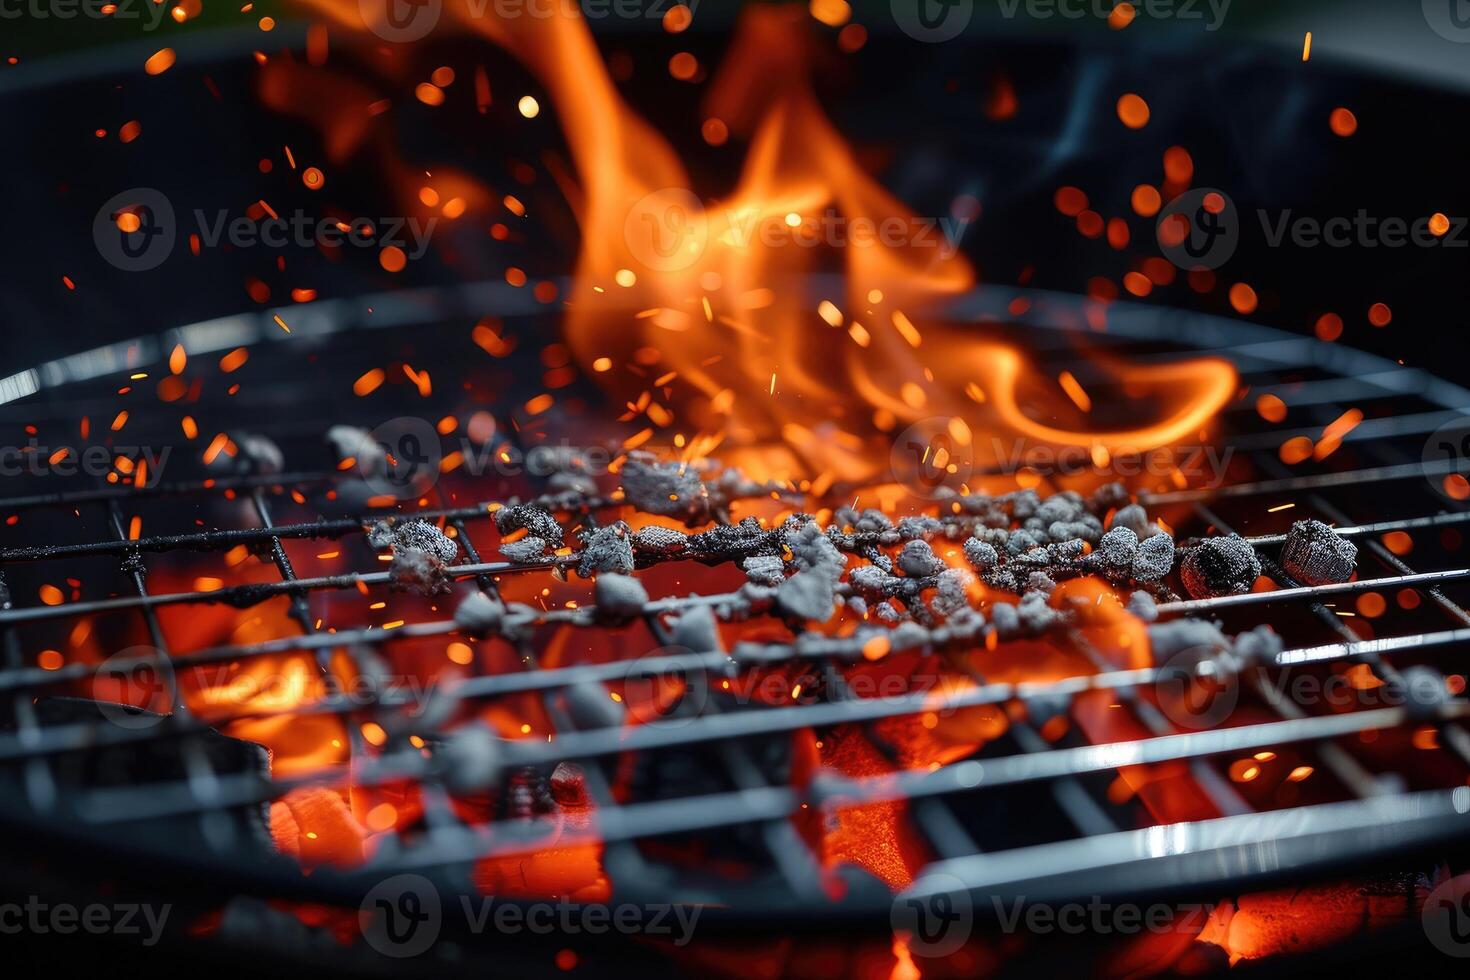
<point>1122,557</point>
<point>351,443</point>
<point>1142,605</point>
<point>765,570</point>
<point>1048,545</point>
<point>698,630</point>
<point>543,533</point>
<point>918,560</point>
<point>606,549</point>
<point>676,489</point>
<point>1064,516</point>
<point>471,758</point>
<point>810,593</point>
<point>571,473</point>
<point>1184,644</point>
<point>1219,567</point>
<point>255,455</point>
<point>666,488</point>
<point>1315,554</point>
<point>1032,616</point>
<point>480,614</point>
<point>1135,519</point>
<point>952,588</point>
<point>619,598</point>
<point>484,615</point>
<point>922,570</point>
<point>422,554</point>
<point>590,708</point>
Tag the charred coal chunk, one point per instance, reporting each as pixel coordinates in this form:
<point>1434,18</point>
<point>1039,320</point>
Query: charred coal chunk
<point>422,554</point>
<point>537,523</point>
<point>729,542</point>
<point>918,560</point>
<point>658,540</point>
<point>919,526</point>
<point>1316,555</point>
<point>1219,567</point>
<point>1135,519</point>
<point>1109,496</point>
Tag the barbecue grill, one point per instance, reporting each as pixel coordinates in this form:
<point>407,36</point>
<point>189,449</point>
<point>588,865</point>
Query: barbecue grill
<point>216,567</point>
<point>1376,807</point>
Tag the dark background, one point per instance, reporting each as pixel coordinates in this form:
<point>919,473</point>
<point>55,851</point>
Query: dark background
<point>1251,114</point>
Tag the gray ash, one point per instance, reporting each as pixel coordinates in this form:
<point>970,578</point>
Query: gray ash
<point>619,597</point>
<point>480,614</point>
<point>606,549</point>
<point>669,489</point>
<point>917,559</point>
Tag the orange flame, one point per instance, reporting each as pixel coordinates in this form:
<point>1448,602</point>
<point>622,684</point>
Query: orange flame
<point>722,289</point>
